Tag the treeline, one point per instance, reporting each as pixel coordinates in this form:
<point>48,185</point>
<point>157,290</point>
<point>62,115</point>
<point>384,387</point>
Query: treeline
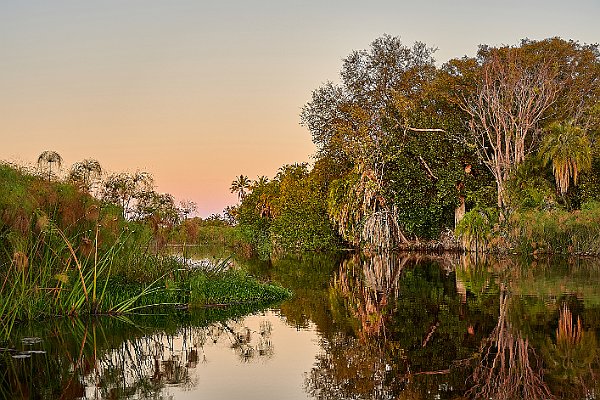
<point>85,191</point>
<point>408,150</point>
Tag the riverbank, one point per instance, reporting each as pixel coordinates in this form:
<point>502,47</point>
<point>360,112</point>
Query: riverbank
<point>64,252</point>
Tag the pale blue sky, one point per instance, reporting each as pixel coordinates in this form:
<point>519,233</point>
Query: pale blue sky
<point>198,92</point>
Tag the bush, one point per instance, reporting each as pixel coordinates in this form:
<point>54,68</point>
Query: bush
<point>557,231</point>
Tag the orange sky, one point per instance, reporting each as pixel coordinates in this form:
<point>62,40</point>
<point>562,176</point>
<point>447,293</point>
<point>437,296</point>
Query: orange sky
<point>197,92</point>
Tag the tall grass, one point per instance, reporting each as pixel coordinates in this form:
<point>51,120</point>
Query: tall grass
<point>54,279</point>
<point>51,277</point>
<point>62,252</point>
<point>557,231</point>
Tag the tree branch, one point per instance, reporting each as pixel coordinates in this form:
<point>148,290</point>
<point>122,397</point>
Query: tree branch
<point>429,172</point>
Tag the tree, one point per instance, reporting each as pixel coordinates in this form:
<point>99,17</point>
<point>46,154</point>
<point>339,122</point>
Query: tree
<point>187,207</point>
<point>230,215</point>
<point>567,147</point>
<point>351,120</point>
<point>240,185</point>
<point>123,188</point>
<point>157,208</point>
<point>507,109</point>
<point>260,182</point>
<point>47,159</point>
<point>355,126</point>
<point>84,172</point>
<point>264,196</point>
<point>297,211</point>
<point>509,94</point>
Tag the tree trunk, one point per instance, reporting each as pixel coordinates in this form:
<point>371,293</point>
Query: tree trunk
<point>459,212</point>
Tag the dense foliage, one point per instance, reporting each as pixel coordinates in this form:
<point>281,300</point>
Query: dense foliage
<point>406,148</point>
<point>287,214</point>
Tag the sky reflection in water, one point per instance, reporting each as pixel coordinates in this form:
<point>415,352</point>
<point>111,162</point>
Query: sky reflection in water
<point>378,327</point>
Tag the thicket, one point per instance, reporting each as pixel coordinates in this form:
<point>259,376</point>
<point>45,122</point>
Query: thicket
<point>287,214</point>
<point>499,146</point>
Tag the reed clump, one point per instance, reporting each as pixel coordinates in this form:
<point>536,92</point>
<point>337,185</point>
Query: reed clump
<point>65,253</point>
<point>557,231</point>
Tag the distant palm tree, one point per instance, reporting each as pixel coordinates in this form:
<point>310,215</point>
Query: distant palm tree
<point>240,185</point>
<point>84,172</point>
<point>260,182</point>
<point>47,158</point>
<point>568,148</point>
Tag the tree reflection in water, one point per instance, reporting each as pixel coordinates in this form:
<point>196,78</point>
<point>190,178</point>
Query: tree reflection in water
<point>391,326</point>
<point>573,359</point>
<point>401,310</point>
<point>419,327</point>
<point>529,354</point>
<point>361,366</point>
<point>508,367</point>
<point>118,359</point>
<point>367,285</point>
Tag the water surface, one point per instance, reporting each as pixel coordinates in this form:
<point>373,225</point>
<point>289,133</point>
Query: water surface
<point>385,326</point>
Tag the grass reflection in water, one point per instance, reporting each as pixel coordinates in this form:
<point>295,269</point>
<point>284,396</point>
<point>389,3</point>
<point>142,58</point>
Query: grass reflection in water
<point>118,357</point>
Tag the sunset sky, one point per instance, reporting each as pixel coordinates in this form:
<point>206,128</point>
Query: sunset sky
<point>197,92</point>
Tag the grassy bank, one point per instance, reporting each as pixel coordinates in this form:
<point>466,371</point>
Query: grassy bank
<point>534,231</point>
<point>64,252</point>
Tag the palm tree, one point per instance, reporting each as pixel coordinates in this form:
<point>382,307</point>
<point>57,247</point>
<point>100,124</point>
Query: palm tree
<point>84,172</point>
<point>240,185</point>
<point>260,182</point>
<point>47,158</point>
<point>568,148</point>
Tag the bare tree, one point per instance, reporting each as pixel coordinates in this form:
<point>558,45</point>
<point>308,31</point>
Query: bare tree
<point>507,109</point>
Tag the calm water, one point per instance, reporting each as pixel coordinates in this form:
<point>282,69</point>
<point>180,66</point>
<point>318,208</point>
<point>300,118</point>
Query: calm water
<point>359,327</point>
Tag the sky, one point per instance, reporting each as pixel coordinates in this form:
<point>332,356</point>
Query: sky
<point>199,92</point>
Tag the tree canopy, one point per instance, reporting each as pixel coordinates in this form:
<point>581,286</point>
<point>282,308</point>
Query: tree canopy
<point>405,148</point>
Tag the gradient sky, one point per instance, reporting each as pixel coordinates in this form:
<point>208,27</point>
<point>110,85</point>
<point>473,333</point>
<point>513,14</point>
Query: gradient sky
<point>197,92</point>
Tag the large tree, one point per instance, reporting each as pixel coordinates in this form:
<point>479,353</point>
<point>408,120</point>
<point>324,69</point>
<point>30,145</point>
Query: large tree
<point>507,109</point>
<point>510,94</point>
<point>388,136</point>
<point>350,121</point>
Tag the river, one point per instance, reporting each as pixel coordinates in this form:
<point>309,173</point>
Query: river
<point>382,326</point>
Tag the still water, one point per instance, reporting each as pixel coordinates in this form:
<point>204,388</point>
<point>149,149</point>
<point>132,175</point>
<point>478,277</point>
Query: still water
<point>384,326</point>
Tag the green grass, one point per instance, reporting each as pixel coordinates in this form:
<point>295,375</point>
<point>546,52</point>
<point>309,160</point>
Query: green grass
<point>232,287</point>
<point>193,289</point>
<point>58,281</point>
<point>63,252</point>
<point>557,231</point>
